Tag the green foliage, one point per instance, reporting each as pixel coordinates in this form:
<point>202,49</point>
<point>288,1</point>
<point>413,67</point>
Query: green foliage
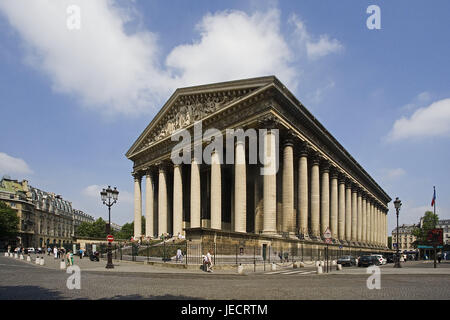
<point>9,222</point>
<point>126,232</point>
<point>390,242</point>
<point>96,229</point>
<point>430,221</point>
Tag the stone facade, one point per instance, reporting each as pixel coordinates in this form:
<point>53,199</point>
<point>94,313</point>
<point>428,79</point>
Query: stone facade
<point>45,219</point>
<point>405,236</point>
<point>318,186</point>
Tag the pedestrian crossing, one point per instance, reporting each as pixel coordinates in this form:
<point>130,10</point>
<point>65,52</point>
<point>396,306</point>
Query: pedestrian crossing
<point>290,272</point>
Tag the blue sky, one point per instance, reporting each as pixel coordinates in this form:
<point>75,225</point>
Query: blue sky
<point>73,101</point>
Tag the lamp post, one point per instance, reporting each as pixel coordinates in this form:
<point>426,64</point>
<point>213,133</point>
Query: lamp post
<point>397,205</point>
<point>109,198</point>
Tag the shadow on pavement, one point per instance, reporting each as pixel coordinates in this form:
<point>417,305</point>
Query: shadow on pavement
<point>28,293</point>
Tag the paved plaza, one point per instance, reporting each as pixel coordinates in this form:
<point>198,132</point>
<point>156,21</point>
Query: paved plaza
<point>23,280</point>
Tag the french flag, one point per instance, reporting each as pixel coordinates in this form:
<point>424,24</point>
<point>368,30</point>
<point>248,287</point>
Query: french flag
<point>434,197</point>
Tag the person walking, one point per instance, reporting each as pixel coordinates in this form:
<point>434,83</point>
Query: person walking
<point>49,250</point>
<point>55,252</point>
<point>179,256</point>
<point>209,261</point>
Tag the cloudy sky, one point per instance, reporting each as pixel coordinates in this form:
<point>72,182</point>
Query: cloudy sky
<point>74,100</point>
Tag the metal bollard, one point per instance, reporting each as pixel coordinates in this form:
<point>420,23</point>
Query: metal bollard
<point>339,267</point>
<point>240,269</point>
<point>15,256</point>
<point>28,258</point>
<point>295,265</point>
<point>302,265</point>
<point>42,262</point>
<point>37,260</point>
<point>274,267</point>
<point>62,265</point>
<point>21,257</point>
<point>319,270</point>
<point>6,254</point>
<point>317,263</point>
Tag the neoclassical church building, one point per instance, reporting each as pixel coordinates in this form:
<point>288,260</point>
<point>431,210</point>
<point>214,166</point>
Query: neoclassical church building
<point>318,185</point>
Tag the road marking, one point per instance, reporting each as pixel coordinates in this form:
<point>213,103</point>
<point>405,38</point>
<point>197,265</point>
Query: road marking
<point>299,272</point>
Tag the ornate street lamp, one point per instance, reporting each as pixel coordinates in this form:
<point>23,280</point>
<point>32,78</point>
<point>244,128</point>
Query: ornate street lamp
<point>397,205</point>
<point>109,197</point>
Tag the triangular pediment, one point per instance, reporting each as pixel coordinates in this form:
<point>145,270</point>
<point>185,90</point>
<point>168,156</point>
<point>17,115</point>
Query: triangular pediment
<point>191,104</point>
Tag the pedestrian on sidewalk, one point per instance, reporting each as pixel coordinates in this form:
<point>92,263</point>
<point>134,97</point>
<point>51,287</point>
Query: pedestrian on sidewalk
<point>209,261</point>
<point>49,250</point>
<point>179,256</point>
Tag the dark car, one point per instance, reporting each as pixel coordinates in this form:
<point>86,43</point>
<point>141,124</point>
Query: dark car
<point>390,258</point>
<point>347,261</point>
<point>366,261</point>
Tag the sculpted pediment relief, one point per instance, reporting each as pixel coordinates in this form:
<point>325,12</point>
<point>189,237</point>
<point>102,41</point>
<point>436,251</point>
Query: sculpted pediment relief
<point>187,109</point>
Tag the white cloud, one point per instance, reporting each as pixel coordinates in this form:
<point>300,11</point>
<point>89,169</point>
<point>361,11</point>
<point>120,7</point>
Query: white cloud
<point>394,173</point>
<point>314,49</point>
<point>12,165</point>
<point>430,121</point>
<point>234,45</point>
<point>93,191</point>
<point>100,63</point>
<point>115,71</point>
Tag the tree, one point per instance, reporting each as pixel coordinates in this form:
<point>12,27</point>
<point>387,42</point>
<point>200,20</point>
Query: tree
<point>96,229</point>
<point>430,220</point>
<point>9,222</point>
<point>84,230</point>
<point>390,242</point>
<point>127,230</point>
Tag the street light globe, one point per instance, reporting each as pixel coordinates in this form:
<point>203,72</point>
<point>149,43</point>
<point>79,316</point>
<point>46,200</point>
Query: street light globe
<point>397,203</point>
<point>115,194</point>
<point>109,192</point>
<point>103,195</point>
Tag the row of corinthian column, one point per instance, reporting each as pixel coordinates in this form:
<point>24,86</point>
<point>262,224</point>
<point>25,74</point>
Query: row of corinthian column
<point>326,198</point>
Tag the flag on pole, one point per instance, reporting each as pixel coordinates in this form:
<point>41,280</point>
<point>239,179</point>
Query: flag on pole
<point>434,197</point>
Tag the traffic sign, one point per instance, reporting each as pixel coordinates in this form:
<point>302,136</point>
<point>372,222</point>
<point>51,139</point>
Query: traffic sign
<point>110,238</point>
<point>327,234</point>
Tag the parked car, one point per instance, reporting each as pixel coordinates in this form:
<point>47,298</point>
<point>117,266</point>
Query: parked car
<point>347,261</point>
<point>390,258</point>
<point>31,250</point>
<point>380,258</point>
<point>39,250</point>
<point>366,261</point>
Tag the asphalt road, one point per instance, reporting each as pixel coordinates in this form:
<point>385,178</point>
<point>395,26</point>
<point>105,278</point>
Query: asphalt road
<point>21,280</point>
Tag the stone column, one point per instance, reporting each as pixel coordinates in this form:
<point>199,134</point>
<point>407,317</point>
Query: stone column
<point>288,220</point>
<point>149,201</point>
<point>325,198</point>
<point>359,217</point>
<point>177,200</point>
<point>270,185</point>
<point>375,218</point>
<point>240,188</point>
<point>372,224</point>
<point>354,213</point>
<point>195,194</point>
<point>315,198</point>
<point>216,192</point>
<point>364,220</point>
<point>348,211</point>
<point>341,208</point>
<point>137,205</point>
<point>367,214</point>
<point>303,192</point>
<point>334,205</point>
<point>162,200</point>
